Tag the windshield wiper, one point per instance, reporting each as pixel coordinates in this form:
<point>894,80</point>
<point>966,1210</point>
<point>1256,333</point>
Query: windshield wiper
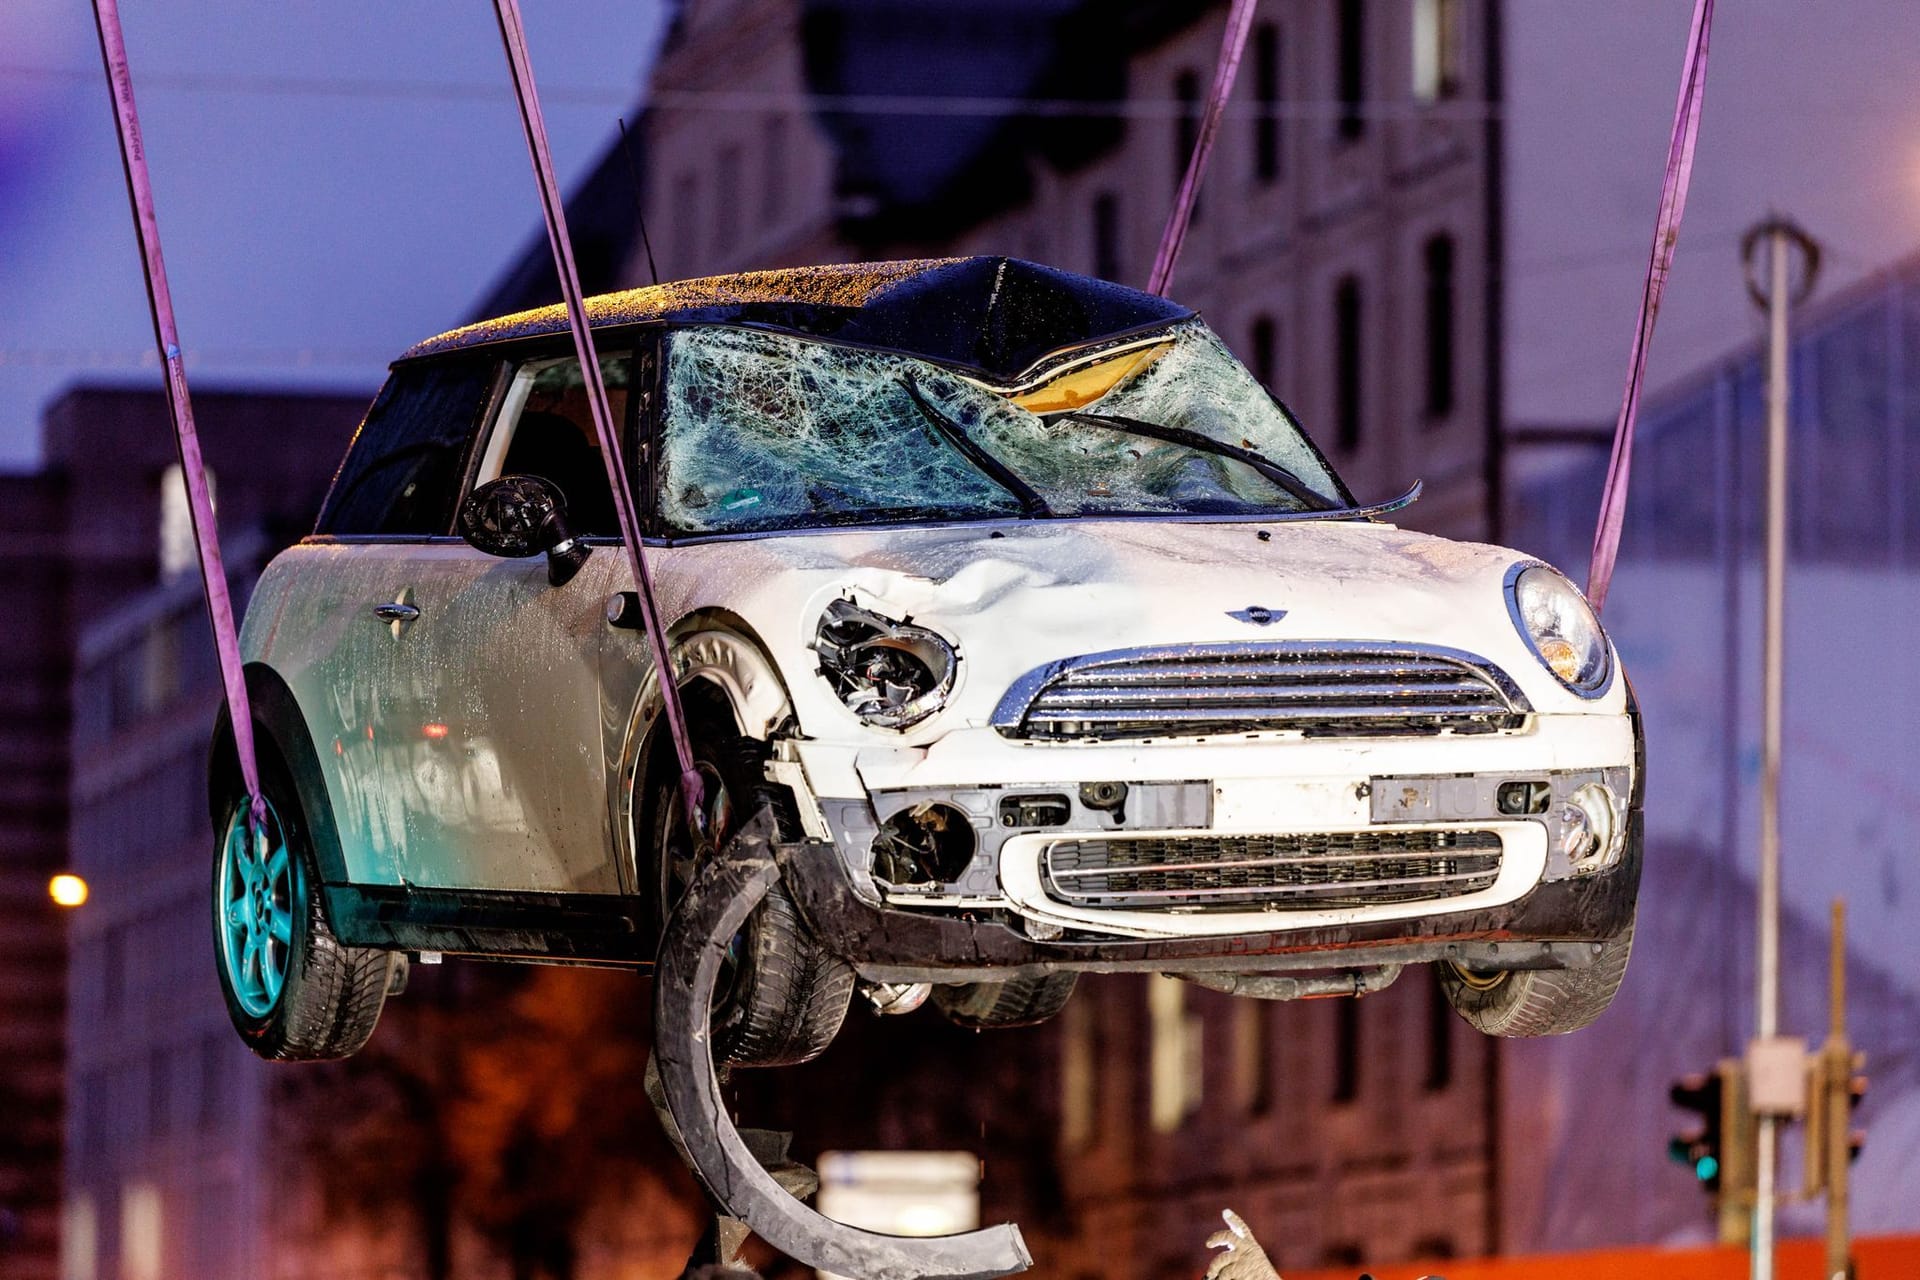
<point>1031,503</point>
<point>1266,466</point>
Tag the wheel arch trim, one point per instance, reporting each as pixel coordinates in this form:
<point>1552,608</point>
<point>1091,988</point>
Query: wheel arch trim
<point>281,727</point>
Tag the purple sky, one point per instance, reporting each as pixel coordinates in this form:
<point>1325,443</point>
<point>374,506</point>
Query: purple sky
<point>310,235</point>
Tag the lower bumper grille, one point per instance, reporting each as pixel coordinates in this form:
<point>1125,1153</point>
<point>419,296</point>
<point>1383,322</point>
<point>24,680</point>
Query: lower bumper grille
<point>1284,872</point>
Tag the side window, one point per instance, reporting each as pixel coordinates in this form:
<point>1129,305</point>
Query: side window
<point>545,428</point>
<point>402,474</point>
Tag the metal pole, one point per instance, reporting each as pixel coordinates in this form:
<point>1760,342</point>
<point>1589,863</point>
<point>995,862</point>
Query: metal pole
<point>1767,964</point>
<point>1836,1070</point>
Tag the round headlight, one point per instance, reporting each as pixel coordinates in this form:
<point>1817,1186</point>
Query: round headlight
<point>891,674</point>
<point>1560,627</point>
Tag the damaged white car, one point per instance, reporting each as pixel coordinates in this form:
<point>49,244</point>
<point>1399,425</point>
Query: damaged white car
<point>1051,638</point>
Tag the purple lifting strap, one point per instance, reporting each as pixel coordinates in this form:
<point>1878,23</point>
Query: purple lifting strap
<point>1239,22</point>
<point>513,34</point>
<point>213,573</point>
<point>1666,233</point>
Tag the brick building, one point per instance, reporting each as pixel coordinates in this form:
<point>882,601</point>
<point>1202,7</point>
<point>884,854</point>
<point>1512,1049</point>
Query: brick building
<point>109,691</point>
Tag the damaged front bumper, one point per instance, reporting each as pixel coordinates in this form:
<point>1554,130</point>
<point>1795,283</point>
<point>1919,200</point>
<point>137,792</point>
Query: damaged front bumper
<point>1023,899</point>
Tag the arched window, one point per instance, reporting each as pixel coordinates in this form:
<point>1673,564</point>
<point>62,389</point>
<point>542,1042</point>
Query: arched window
<point>1263,352</point>
<point>1106,236</point>
<point>1268,162</point>
<point>1350,70</point>
<point>1347,383</point>
<point>1437,259</point>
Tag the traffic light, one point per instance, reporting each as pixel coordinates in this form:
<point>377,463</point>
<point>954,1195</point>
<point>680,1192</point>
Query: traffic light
<point>1856,1087</point>
<point>1698,1148</point>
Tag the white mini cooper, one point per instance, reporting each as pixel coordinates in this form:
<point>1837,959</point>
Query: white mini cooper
<point>1050,637</point>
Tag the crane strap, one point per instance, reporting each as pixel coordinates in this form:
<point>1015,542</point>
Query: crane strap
<point>1174,236</point>
<point>166,334</point>
<point>513,35</point>
<point>1666,233</point>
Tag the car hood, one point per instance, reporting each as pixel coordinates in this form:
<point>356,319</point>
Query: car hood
<point>1015,596</point>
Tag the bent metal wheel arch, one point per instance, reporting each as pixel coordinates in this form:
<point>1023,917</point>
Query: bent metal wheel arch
<point>722,895</point>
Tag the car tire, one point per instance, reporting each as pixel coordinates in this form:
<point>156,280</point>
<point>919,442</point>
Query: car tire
<point>781,997</point>
<point>293,991</point>
<point>1018,1002</point>
<point>1538,1002</point>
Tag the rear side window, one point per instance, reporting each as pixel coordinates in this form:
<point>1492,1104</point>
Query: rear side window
<point>403,472</point>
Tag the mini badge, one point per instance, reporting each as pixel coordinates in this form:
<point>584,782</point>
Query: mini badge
<point>1258,615</point>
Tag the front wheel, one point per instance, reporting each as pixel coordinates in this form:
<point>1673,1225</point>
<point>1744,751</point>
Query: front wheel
<point>1537,1002</point>
<point>781,997</point>
<point>293,991</point>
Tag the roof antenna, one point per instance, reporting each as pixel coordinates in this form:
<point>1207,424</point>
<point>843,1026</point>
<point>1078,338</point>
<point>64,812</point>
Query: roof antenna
<point>639,205</point>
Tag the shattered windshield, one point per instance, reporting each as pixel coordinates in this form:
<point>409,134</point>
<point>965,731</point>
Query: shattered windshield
<point>765,430</point>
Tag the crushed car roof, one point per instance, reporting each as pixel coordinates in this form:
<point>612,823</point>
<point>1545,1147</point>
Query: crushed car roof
<point>997,315</point>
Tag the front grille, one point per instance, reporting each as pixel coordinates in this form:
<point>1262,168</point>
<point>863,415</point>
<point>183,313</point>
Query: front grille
<point>1316,690</point>
<point>1336,869</point>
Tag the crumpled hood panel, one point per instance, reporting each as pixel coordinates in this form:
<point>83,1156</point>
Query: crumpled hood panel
<point>1015,596</point>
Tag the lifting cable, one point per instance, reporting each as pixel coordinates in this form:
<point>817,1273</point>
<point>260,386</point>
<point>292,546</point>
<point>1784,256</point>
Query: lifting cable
<point>213,576</point>
<point>193,474</point>
<point>1232,45</point>
<point>1666,233</point>
<point>513,35</point>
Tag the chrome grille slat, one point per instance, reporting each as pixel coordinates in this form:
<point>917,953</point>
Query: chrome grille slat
<point>1215,872</point>
<point>1317,689</point>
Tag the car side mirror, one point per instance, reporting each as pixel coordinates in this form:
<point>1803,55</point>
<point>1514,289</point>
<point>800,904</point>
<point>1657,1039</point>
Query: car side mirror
<point>519,516</point>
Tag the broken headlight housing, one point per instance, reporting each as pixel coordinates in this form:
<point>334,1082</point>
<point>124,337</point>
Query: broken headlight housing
<point>891,674</point>
<point>1559,625</point>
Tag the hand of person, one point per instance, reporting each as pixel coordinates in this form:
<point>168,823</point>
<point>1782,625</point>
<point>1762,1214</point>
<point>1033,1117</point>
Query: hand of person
<point>1241,1258</point>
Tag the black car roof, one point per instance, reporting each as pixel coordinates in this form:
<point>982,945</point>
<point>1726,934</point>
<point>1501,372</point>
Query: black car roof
<point>997,315</point>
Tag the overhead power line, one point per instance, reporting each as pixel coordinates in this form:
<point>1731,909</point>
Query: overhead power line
<point>761,102</point>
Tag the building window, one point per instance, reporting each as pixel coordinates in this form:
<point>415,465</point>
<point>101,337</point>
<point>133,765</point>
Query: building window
<point>1346,1049</point>
<point>178,552</point>
<point>1186,134</point>
<point>1437,38</point>
<point>1346,363</point>
<point>1175,1063</point>
<point>773,175</point>
<point>1267,160</point>
<point>1350,71</point>
<point>140,1239</point>
<point>1264,354</point>
<point>1438,259</point>
<point>1440,1021</point>
<point>685,223</point>
<point>1106,236</point>
<point>1253,1054</point>
<point>726,209</point>
<point>1080,1053</point>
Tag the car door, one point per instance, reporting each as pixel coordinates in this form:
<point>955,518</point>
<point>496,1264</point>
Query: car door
<point>501,718</point>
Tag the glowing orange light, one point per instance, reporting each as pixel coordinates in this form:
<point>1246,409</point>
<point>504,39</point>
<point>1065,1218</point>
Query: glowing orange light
<point>67,890</point>
<point>338,749</point>
<point>436,730</point>
<point>369,733</point>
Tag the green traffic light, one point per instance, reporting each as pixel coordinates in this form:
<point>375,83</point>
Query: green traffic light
<point>1706,1168</point>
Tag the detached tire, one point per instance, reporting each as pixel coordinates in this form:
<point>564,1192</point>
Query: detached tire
<point>781,997</point>
<point>1017,1002</point>
<point>293,992</point>
<point>1538,1002</point>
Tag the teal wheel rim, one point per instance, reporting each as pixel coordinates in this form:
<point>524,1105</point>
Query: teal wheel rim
<point>258,886</point>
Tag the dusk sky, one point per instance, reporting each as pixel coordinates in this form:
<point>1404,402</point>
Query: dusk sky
<point>334,181</point>
<point>337,181</point>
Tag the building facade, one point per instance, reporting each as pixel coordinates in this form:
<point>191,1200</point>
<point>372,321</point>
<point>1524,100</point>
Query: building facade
<point>163,1107</point>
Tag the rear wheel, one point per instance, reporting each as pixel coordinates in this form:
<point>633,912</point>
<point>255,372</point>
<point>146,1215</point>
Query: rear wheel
<point>293,991</point>
<point>1537,1002</point>
<point>1017,1002</point>
<point>780,997</point>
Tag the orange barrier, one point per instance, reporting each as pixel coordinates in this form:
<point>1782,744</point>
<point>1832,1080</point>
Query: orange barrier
<point>1880,1258</point>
